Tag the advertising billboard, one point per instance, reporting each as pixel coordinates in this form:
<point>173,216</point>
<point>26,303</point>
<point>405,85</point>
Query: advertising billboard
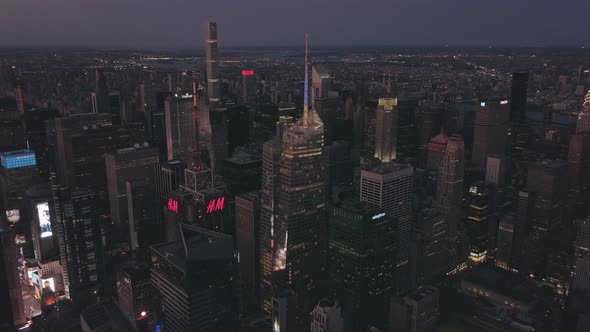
<point>48,283</point>
<point>13,216</point>
<point>44,219</point>
<point>20,239</point>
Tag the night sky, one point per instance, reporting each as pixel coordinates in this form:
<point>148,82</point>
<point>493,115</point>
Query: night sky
<point>179,23</point>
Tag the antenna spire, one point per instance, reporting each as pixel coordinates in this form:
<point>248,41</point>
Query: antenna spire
<point>306,88</point>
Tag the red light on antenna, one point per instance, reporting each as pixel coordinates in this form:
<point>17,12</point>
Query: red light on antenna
<point>247,73</point>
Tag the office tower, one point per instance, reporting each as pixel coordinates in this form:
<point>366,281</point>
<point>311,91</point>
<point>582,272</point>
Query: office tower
<point>330,110</point>
<point>321,82</point>
<point>416,312</point>
<point>36,126</point>
<point>155,125</point>
<point>578,158</point>
<point>477,221</point>
<point>80,242</point>
<point>522,224</point>
<point>505,243</point>
<point>105,316</point>
<point>436,150</point>
<point>406,146</point>
<point>11,299</point>
<point>241,172</point>
<point>583,122</point>
<point>249,89</point>
<point>117,109</point>
<point>296,227</point>
<point>390,187</point>
<point>247,233</point>
<point>284,314</point>
<point>197,280</point>
<point>363,247</point>
<point>238,127</point>
<point>386,131</point>
<point>213,82</point>
<point>17,172</point>
<point>77,145</point>
<point>497,170</point>
<point>100,96</point>
<point>449,191</point>
<point>490,131</point>
<point>124,165</point>
<point>429,253</point>
<point>548,180</point>
<point>148,97</point>
<point>369,130</point>
<point>20,97</point>
<point>146,226</point>
<point>581,281</point>
<point>180,125</point>
<point>135,295</point>
<point>326,317</point>
<point>518,97</point>
<point>37,201</point>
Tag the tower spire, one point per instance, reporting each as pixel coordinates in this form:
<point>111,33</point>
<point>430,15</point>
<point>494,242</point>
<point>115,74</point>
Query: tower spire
<point>306,88</point>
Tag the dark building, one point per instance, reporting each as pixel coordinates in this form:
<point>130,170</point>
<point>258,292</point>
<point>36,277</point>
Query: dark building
<point>477,219</point>
<point>197,280</point>
<point>429,249</point>
<point>146,226</point>
<point>518,97</point>
<point>241,172</point>
<point>247,232</point>
<point>155,125</point>
<point>100,96</point>
<point>406,131</point>
<point>80,243</point>
<point>105,316</point>
<point>36,126</point>
<point>491,129</point>
<point>362,264</point>
<point>416,312</point>
<point>136,295</point>
<point>18,170</point>
<point>548,180</point>
<point>238,122</point>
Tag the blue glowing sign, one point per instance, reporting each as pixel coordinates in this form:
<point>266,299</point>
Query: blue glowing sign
<point>18,159</point>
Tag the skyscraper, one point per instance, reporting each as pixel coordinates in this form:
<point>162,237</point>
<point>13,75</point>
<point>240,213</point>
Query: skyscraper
<point>197,279</point>
<point>583,123</point>
<point>213,82</point>
<point>581,281</point>
<point>363,250</point>
<point>145,224</point>
<point>490,131</point>
<point>249,89</point>
<point>518,97</point>
<point>296,224</point>
<point>449,191</point>
<point>390,187</point>
<point>80,243</point>
<point>135,294</point>
<point>18,170</point>
<point>505,243</point>
<point>548,180</point>
<point>497,170</point>
<point>386,129</point>
<point>247,233</point>
<point>180,125</point>
<point>100,96</point>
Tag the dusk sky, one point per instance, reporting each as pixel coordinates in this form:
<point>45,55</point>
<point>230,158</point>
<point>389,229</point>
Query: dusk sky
<point>179,23</point>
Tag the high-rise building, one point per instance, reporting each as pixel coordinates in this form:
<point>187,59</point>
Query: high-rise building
<point>197,280</point>
<point>213,81</point>
<point>477,219</point>
<point>522,225</point>
<point>249,89</point>
<point>285,311</point>
<point>490,131</point>
<point>548,180</point>
<point>17,172</point>
<point>80,241</point>
<point>390,187</point>
<point>11,299</point>
<point>578,158</point>
<point>505,243</point>
<point>105,316</point>
<point>321,82</point>
<point>583,123</point>
<point>296,226</point>
<point>247,232</point>
<point>135,295</point>
<point>436,150</point>
<point>496,170</point>
<point>124,165</point>
<point>581,281</point>
<point>327,317</point>
<point>416,312</point>
<point>145,224</point>
<point>100,96</point>
<point>241,172</point>
<point>429,250</point>
<point>450,179</point>
<point>518,97</point>
<point>180,125</point>
<point>386,129</point>
<point>363,272</point>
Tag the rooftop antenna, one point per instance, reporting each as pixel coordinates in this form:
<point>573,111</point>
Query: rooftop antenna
<point>305,89</point>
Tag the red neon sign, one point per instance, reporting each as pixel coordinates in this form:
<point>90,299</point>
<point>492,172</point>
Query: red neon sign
<point>247,73</point>
<point>216,204</point>
<point>173,205</point>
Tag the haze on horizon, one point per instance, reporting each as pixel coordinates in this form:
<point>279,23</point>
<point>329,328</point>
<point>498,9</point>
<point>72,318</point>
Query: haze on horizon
<point>180,23</point>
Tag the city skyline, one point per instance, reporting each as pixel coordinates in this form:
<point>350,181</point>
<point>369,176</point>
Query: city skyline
<point>174,24</point>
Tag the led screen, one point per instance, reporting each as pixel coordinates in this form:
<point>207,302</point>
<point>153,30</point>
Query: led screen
<point>44,219</point>
<point>13,216</point>
<point>48,283</point>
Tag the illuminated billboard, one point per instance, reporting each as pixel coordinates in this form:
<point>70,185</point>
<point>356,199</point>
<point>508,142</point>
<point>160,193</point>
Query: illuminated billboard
<point>48,283</point>
<point>247,73</point>
<point>173,205</point>
<point>13,216</point>
<point>19,239</point>
<point>44,219</point>
<point>18,159</point>
<point>216,204</point>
